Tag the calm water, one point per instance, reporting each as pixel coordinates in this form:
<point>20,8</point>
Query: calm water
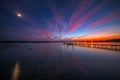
<point>56,61</point>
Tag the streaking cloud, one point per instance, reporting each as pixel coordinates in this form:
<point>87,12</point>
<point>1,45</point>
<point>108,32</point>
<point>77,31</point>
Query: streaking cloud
<point>59,19</point>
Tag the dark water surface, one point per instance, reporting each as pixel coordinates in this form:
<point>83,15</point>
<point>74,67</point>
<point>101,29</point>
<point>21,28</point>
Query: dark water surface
<point>56,61</point>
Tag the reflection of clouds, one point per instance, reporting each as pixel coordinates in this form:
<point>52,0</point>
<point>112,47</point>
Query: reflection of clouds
<point>54,60</point>
<point>77,63</point>
<point>16,72</point>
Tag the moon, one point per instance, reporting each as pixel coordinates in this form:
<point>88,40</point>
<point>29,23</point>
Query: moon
<point>19,14</point>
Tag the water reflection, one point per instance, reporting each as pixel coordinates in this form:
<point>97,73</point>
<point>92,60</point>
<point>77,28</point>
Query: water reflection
<point>56,61</point>
<point>16,72</point>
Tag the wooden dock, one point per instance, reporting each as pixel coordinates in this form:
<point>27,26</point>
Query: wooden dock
<point>95,45</point>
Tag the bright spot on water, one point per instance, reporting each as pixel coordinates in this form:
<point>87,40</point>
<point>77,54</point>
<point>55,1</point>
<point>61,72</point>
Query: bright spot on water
<point>16,72</point>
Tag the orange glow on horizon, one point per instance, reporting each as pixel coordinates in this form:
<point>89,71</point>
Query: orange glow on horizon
<point>100,37</point>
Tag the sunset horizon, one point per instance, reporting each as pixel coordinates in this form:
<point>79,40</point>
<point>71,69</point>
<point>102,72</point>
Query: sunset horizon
<point>59,39</point>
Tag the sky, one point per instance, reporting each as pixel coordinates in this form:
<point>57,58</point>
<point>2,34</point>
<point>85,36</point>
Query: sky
<point>59,19</point>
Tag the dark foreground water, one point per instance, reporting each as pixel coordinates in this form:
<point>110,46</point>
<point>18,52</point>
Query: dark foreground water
<point>56,61</point>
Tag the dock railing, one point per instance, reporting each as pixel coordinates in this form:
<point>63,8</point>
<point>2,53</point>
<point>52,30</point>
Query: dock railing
<point>95,45</point>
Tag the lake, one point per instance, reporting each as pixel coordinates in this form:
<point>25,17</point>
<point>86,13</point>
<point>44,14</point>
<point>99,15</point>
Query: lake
<point>56,61</point>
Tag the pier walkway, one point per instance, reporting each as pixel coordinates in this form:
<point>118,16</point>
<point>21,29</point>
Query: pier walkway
<point>95,45</point>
